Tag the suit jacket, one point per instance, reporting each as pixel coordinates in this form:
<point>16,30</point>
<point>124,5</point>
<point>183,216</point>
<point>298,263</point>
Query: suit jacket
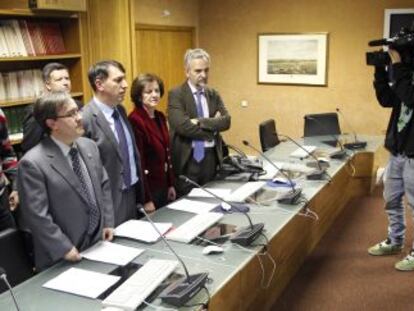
<point>52,203</point>
<point>154,142</point>
<point>32,131</point>
<point>181,109</point>
<point>97,128</point>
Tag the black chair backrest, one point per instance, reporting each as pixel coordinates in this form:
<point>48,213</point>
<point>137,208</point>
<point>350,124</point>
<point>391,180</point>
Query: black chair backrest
<point>268,134</point>
<point>14,257</point>
<point>321,124</point>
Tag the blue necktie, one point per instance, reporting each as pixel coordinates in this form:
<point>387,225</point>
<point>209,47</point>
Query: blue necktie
<point>94,214</point>
<point>123,146</point>
<point>198,151</point>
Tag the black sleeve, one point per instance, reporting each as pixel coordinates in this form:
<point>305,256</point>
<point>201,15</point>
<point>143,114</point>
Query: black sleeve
<point>404,87</point>
<point>32,131</point>
<point>385,95</point>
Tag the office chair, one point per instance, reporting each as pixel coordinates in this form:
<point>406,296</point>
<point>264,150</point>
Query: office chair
<point>14,257</point>
<point>268,134</point>
<point>321,124</point>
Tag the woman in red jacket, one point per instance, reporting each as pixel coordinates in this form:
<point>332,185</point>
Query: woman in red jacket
<point>151,135</point>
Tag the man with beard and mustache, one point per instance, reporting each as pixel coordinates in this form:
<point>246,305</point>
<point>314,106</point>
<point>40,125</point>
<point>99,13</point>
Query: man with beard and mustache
<point>196,115</point>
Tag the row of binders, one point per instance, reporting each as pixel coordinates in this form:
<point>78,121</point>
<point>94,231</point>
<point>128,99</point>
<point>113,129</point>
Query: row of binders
<point>20,84</point>
<point>30,38</point>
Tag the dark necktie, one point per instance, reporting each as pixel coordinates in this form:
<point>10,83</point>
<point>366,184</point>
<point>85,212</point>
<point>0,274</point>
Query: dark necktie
<point>123,146</point>
<point>198,151</point>
<point>94,214</point>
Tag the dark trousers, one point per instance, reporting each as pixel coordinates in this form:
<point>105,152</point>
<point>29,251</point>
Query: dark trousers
<point>201,172</point>
<point>6,217</point>
<point>128,209</point>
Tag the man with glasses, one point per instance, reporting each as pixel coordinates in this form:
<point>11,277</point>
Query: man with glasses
<point>64,190</point>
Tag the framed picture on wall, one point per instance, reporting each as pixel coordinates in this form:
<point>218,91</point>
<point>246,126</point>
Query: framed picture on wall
<point>395,19</point>
<point>292,58</point>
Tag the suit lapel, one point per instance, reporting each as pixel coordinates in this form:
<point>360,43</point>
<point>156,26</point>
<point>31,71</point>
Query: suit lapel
<point>104,126</point>
<point>150,124</point>
<point>60,164</point>
<point>190,102</point>
<point>211,109</point>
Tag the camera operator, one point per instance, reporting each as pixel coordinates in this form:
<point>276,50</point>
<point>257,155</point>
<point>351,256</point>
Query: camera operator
<point>399,140</point>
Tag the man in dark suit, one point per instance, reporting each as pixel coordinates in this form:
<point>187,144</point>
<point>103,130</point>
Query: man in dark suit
<point>196,115</point>
<point>56,79</point>
<point>105,122</point>
<point>63,187</point>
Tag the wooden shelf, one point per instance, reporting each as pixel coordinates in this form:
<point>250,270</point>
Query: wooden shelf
<point>29,100</point>
<point>42,57</point>
<point>30,13</point>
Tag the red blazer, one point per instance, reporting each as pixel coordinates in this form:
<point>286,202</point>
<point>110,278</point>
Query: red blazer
<point>153,143</point>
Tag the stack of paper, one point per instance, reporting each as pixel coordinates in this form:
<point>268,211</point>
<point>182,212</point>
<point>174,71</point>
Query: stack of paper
<point>111,253</point>
<point>82,282</point>
<point>301,154</point>
<point>142,230</point>
<point>192,206</point>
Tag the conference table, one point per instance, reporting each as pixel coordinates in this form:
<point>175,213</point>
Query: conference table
<point>240,278</point>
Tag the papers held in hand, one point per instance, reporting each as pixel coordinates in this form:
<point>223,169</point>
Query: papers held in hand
<point>142,230</point>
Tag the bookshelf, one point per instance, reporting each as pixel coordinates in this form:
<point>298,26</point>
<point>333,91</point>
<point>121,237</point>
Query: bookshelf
<point>60,40</point>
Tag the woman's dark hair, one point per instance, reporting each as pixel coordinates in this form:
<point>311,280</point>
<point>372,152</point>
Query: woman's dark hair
<point>138,86</point>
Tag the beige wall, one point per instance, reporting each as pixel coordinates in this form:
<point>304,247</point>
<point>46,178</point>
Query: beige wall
<point>228,30</point>
<point>182,12</point>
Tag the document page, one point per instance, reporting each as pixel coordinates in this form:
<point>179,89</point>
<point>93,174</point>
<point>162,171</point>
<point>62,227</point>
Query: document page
<point>300,153</point>
<point>192,206</point>
<point>82,282</point>
<point>142,230</point>
<point>111,253</point>
<point>200,193</point>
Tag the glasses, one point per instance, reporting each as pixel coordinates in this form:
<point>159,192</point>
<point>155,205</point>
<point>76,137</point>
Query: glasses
<point>70,114</point>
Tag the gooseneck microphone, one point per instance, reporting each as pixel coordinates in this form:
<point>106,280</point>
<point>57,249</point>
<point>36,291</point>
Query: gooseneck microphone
<point>245,236</point>
<point>356,144</point>
<point>340,154</point>
<point>319,172</point>
<point>3,276</point>
<point>182,290</point>
<point>290,198</point>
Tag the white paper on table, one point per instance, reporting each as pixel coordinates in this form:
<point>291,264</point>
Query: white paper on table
<point>300,153</point>
<point>82,282</point>
<point>192,206</point>
<point>200,193</point>
<point>111,253</point>
<point>142,230</point>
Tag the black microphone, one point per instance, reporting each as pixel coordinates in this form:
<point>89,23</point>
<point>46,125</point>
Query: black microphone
<point>290,198</point>
<point>340,154</point>
<point>182,290</point>
<point>245,236</point>
<point>256,166</point>
<point>357,144</point>
<point>3,276</point>
<point>319,172</point>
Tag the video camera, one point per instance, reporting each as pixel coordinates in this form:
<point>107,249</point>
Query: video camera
<point>402,42</point>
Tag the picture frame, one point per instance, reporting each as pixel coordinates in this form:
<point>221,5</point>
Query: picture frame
<point>293,58</point>
<point>394,19</point>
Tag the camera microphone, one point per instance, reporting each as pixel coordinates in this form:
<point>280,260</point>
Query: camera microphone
<point>183,289</point>
<point>340,154</point>
<point>3,276</point>
<point>290,198</point>
<point>380,42</point>
<point>245,236</point>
